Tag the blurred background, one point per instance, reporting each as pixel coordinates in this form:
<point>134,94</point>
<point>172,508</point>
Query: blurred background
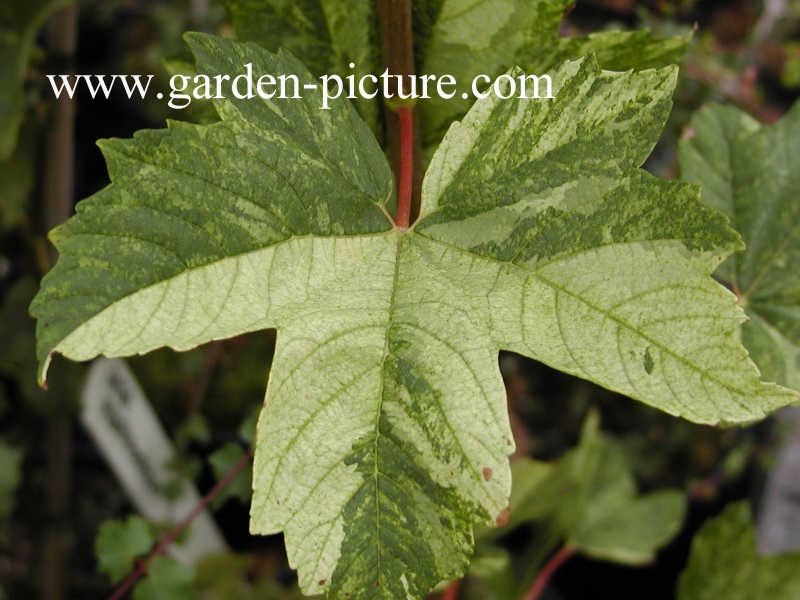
<point>57,489</point>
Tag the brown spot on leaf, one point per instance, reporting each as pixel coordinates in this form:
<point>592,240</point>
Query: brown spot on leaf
<point>322,582</point>
<point>502,518</point>
<point>487,473</point>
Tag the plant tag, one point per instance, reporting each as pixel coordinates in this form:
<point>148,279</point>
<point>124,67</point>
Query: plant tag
<point>779,514</point>
<point>128,433</point>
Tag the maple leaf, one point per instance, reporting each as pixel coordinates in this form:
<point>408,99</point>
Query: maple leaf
<point>119,543</point>
<point>384,436</point>
<point>749,172</point>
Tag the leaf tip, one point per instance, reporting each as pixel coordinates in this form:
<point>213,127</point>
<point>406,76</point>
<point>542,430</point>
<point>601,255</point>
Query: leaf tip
<point>41,375</point>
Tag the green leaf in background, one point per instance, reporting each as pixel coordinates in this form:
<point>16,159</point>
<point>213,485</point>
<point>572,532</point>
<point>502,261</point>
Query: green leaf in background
<point>242,577</point>
<point>16,182</point>
<point>119,543</point>
<point>385,435</point>
<point>222,461</point>
<point>327,35</point>
<point>723,563</point>
<point>10,465</point>
<point>466,38</point>
<point>601,513</point>
<point>166,579</point>
<point>19,22</point>
<point>591,496</point>
<point>491,575</point>
<point>18,355</point>
<point>587,501</point>
<point>752,173</point>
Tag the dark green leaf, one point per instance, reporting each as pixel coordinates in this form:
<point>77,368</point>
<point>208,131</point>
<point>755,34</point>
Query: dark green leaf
<point>19,22</point>
<point>167,579</point>
<point>119,543</point>
<point>752,173</point>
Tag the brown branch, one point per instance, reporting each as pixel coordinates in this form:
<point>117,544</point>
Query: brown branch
<point>174,533</point>
<point>56,207</point>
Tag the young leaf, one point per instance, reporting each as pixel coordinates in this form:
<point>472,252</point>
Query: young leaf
<point>385,434</point>
<point>590,495</point>
<point>467,38</point>
<point>120,543</point>
<point>752,173</point>
<point>723,563</point>
<point>601,514</point>
<point>167,579</point>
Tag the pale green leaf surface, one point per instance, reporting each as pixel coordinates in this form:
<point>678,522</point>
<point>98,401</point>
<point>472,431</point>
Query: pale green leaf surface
<point>385,434</point>
<point>327,35</point>
<point>466,38</point>
<point>614,50</point>
<point>119,543</point>
<point>600,269</point>
<point>723,563</point>
<point>752,173</point>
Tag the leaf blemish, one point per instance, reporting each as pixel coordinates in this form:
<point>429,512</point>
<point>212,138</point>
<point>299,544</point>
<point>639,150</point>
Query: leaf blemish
<point>502,518</point>
<point>648,361</point>
<point>487,473</point>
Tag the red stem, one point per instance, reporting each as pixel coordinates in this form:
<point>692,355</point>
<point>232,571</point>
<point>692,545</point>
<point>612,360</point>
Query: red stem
<point>542,579</point>
<point>173,534</point>
<point>406,180</point>
<point>451,593</point>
